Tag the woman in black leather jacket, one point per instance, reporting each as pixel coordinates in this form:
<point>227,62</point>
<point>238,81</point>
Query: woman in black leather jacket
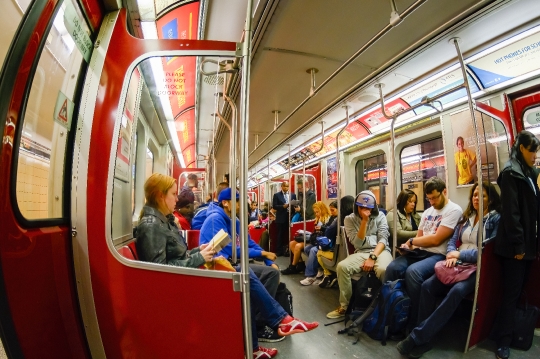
<point>158,236</point>
<point>516,242</point>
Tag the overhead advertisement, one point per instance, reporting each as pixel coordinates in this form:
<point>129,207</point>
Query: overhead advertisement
<point>438,86</point>
<point>511,61</point>
<point>180,73</point>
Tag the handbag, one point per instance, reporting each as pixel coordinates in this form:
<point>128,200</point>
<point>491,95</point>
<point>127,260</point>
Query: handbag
<point>525,319</point>
<point>324,243</point>
<point>451,275</point>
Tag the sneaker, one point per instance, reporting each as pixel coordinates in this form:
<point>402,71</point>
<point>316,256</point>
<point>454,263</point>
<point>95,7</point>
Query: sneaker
<point>268,335</point>
<point>406,346</point>
<point>338,313</point>
<point>420,350</point>
<point>294,326</point>
<point>318,282</point>
<point>289,270</point>
<point>264,353</point>
<point>333,283</point>
<point>503,353</point>
<point>320,274</point>
<point>308,281</point>
<point>327,281</point>
<point>300,267</point>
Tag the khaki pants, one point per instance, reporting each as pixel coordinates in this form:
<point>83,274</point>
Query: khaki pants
<point>325,254</point>
<point>352,265</point>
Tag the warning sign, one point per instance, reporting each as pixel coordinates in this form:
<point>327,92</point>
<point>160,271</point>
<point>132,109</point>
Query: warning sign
<point>63,110</point>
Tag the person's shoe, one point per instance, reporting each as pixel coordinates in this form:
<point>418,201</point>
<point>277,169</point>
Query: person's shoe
<point>420,350</point>
<point>320,274</point>
<point>327,280</point>
<point>308,281</point>
<point>300,267</point>
<point>406,346</point>
<point>289,270</point>
<point>268,335</point>
<point>264,353</point>
<point>338,313</point>
<point>503,353</point>
<point>290,326</point>
<point>333,282</point>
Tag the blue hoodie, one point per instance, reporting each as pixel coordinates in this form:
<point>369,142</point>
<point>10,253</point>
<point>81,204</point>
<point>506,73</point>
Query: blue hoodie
<point>217,219</point>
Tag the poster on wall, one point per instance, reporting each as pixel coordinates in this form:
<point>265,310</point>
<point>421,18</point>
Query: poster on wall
<point>331,175</point>
<point>464,140</point>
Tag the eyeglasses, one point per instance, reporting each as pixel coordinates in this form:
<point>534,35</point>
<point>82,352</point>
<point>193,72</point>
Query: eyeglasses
<point>434,198</point>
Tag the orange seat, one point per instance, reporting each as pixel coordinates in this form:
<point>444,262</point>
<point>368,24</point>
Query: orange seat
<point>192,238</point>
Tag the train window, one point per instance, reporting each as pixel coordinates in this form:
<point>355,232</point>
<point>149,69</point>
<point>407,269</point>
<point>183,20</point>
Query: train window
<point>371,175</point>
<point>48,116</point>
<point>149,162</point>
<point>419,162</point>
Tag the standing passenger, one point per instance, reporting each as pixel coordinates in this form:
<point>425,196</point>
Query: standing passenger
<point>280,202</point>
<point>311,198</point>
<point>408,219</point>
<point>436,227</point>
<point>367,230</point>
<point>517,239</point>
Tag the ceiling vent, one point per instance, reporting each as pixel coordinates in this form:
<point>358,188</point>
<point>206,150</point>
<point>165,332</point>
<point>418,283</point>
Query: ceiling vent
<point>214,80</point>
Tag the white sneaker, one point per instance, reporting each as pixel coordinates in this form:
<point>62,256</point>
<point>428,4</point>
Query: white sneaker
<point>320,274</point>
<point>308,281</point>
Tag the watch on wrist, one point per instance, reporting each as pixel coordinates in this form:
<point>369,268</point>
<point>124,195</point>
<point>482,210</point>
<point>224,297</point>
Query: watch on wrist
<point>373,256</point>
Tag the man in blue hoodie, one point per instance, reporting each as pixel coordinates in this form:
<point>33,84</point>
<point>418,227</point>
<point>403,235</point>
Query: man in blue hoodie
<point>200,214</point>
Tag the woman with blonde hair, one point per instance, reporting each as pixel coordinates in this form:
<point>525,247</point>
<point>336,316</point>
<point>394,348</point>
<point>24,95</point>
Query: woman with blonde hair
<point>322,217</point>
<point>159,241</point>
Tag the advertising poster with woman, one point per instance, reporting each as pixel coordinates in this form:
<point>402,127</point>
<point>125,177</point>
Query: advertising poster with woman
<point>465,151</point>
<point>331,175</point>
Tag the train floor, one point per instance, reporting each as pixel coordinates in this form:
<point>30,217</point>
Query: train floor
<point>311,303</point>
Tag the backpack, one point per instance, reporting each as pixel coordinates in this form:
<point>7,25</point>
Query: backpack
<point>284,298</point>
<point>363,293</point>
<point>391,313</point>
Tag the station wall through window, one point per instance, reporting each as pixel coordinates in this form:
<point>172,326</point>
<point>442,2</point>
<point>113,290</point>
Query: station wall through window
<point>371,174</point>
<point>419,162</point>
<point>48,116</point>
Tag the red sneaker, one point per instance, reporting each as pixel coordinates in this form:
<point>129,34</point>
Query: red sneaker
<point>264,353</point>
<point>291,325</point>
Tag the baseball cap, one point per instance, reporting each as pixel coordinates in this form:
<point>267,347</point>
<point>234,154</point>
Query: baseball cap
<point>225,195</point>
<point>365,199</point>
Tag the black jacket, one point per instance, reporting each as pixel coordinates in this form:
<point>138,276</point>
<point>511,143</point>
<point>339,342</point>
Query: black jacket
<point>159,241</point>
<point>283,215</point>
<point>518,232</point>
<point>311,198</point>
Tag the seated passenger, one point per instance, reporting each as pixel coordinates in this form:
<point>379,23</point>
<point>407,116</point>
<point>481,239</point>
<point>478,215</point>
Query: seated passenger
<point>431,317</point>
<point>312,273</point>
<point>200,215</point>
<point>219,217</point>
<point>159,241</point>
<point>367,230</point>
<point>408,219</point>
<point>322,219</point>
<point>184,210</point>
<point>435,229</point>
<point>330,278</point>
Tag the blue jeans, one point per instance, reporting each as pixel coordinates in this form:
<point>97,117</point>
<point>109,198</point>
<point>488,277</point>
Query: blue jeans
<point>432,318</point>
<point>415,271</point>
<point>263,303</point>
<point>312,264</point>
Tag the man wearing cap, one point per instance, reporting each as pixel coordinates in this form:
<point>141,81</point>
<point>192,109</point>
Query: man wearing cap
<point>200,213</point>
<point>280,203</point>
<point>367,229</point>
<point>184,210</point>
<point>435,229</point>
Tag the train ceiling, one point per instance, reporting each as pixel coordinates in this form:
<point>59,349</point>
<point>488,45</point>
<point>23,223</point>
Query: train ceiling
<point>295,36</point>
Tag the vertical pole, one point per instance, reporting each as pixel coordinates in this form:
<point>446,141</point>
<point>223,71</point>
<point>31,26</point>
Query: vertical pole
<point>480,234</point>
<point>338,169</point>
<point>289,219</point>
<point>244,125</point>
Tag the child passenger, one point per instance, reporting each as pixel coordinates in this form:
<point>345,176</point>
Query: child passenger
<point>431,317</point>
<point>159,241</point>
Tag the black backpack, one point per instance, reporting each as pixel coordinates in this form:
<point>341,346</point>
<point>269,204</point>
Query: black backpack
<point>363,293</point>
<point>284,298</point>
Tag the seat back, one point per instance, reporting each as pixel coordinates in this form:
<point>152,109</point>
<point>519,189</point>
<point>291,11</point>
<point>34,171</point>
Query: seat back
<point>192,238</point>
<point>126,252</point>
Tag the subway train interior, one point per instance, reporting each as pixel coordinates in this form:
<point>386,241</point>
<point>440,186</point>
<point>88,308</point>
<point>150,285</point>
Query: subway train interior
<point>345,96</point>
